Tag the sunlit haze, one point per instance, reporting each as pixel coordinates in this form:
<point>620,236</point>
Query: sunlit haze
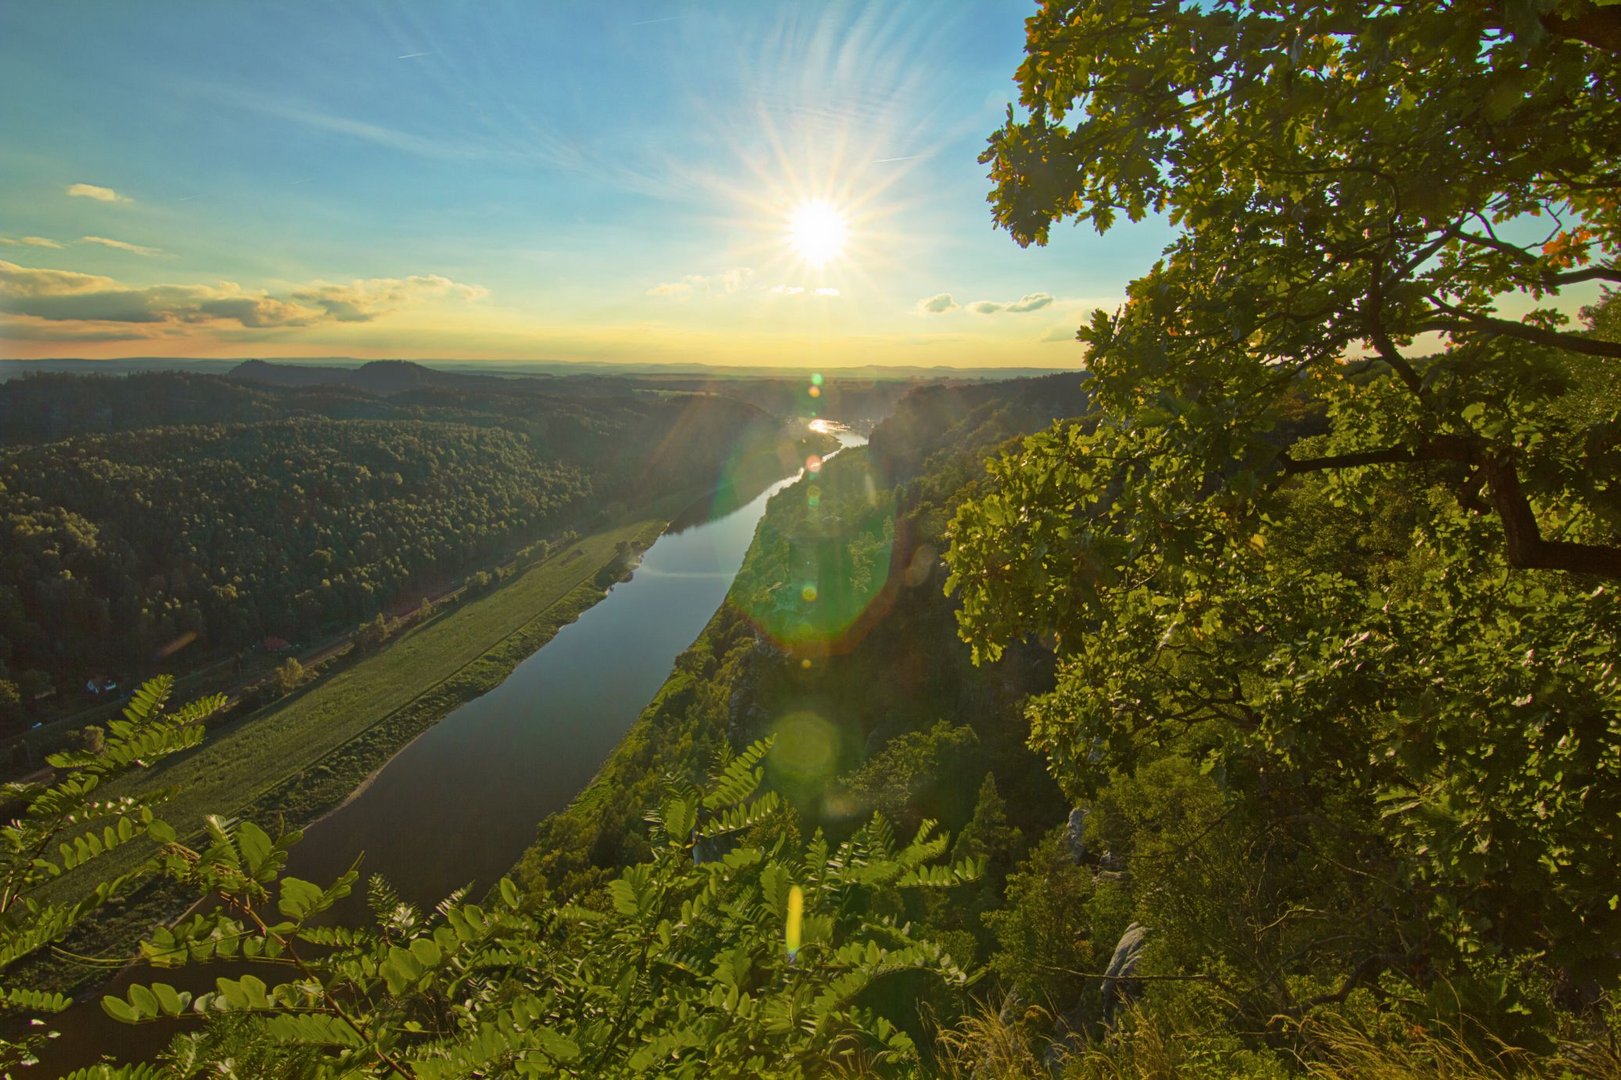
<point>762,184</point>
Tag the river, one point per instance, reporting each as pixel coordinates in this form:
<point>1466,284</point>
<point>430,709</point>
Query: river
<point>459,804</point>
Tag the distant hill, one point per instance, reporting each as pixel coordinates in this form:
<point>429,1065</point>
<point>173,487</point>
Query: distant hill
<point>964,416</point>
<point>382,377</point>
<point>12,369</point>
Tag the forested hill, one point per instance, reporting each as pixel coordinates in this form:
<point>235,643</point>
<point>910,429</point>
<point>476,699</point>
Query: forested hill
<point>139,511</point>
<point>971,415</point>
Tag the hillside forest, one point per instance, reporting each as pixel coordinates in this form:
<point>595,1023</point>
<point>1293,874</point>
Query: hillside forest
<point>162,512</point>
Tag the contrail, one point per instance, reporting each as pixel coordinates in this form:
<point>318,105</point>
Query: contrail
<point>650,22</point>
<point>887,160</point>
<point>412,55</point>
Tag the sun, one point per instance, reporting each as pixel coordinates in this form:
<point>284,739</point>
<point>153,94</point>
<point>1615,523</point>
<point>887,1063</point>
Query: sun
<point>817,231</point>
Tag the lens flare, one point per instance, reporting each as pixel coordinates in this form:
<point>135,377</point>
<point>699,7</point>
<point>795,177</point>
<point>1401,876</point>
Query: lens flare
<point>794,925</point>
<point>804,751</point>
<point>829,576</point>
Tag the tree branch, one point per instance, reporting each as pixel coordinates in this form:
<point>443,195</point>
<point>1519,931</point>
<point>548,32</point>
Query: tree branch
<point>1595,25</point>
<point>1379,337</point>
<point>1525,258</point>
<point>1592,273</point>
<point>1469,321</point>
<point>1527,549</point>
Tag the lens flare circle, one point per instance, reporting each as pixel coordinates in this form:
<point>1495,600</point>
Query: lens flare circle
<point>805,748</point>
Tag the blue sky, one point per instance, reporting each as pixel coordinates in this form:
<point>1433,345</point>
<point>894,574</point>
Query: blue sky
<point>525,180</point>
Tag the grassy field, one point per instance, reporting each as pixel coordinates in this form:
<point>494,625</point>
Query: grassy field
<point>295,760</point>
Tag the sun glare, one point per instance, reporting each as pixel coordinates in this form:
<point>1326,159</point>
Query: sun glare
<point>817,232</point>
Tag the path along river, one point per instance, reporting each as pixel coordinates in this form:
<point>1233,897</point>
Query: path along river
<point>460,803</point>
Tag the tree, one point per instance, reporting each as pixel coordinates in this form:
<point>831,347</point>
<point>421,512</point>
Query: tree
<point>372,635</point>
<point>92,738</point>
<point>1352,183</point>
<point>11,703</point>
<point>290,675</point>
<point>1355,587</point>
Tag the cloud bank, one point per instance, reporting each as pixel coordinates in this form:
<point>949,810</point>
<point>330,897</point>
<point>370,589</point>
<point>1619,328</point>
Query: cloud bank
<point>63,296</point>
<point>30,241</point>
<point>938,304</point>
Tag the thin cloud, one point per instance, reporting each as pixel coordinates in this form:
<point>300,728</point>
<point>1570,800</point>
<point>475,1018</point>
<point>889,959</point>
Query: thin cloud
<point>1060,333</point>
<point>938,304</point>
<point>30,241</point>
<point>97,192</point>
<point>727,281</point>
<point>121,245</point>
<point>28,329</point>
<point>1025,303</point>
<point>801,290</point>
<point>70,296</point>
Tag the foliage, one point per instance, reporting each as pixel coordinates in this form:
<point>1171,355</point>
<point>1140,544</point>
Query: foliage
<point>921,774</point>
<point>74,822</point>
<point>1335,651</point>
<point>764,960</point>
<point>1346,180</point>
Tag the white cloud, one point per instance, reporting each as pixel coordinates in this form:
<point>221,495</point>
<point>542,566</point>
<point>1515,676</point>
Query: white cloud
<point>1027,302</point>
<point>121,245</point>
<point>938,304</point>
<point>727,281</point>
<point>67,295</point>
<point>100,194</point>
<point>31,241</point>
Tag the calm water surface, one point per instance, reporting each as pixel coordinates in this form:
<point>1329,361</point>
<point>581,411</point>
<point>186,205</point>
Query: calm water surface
<point>459,805</point>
